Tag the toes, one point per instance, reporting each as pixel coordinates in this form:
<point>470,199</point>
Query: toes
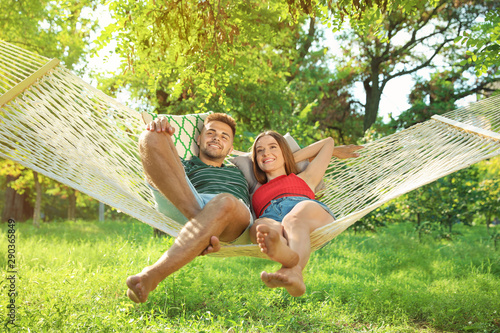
<point>214,241</point>
<point>133,296</point>
<point>131,281</point>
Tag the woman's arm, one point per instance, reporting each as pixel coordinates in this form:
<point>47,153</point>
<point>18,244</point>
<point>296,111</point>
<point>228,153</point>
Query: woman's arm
<point>342,152</point>
<point>309,152</point>
<point>322,152</point>
<point>239,153</point>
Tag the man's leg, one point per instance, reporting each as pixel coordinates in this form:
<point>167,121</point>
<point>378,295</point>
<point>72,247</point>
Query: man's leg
<point>224,217</point>
<point>164,170</point>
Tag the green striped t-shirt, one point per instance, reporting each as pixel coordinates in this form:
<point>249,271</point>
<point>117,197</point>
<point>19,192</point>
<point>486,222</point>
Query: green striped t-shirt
<point>213,180</point>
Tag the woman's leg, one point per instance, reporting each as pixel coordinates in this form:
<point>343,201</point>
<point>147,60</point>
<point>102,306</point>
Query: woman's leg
<point>269,235</point>
<point>304,218</point>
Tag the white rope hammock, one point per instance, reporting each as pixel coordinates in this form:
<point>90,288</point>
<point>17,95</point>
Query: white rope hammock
<point>56,124</point>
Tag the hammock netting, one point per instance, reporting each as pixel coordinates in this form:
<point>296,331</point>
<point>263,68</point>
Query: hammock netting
<point>53,122</point>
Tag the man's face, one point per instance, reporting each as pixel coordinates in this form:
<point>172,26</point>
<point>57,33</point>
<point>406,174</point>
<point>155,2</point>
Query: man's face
<point>215,140</point>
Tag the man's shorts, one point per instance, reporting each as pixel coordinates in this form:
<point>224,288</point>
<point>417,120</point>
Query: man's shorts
<point>164,206</point>
<point>279,208</point>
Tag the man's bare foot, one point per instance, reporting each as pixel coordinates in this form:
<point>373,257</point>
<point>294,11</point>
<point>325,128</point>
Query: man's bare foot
<point>288,278</point>
<point>213,247</point>
<point>274,245</point>
<point>139,288</point>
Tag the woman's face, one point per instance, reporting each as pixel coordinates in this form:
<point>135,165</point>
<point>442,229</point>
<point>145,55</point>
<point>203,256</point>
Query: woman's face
<point>269,156</point>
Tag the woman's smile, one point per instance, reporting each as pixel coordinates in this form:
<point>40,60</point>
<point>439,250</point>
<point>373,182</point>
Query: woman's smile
<point>269,156</point>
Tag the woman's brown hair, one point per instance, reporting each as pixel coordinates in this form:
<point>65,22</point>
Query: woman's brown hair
<point>290,166</point>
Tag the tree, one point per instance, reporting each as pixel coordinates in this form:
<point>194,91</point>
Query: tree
<point>483,41</point>
<point>437,95</point>
<point>54,29</point>
<point>407,42</point>
<point>19,203</point>
<point>38,200</point>
<point>456,198</point>
<point>488,200</point>
<point>259,68</point>
<point>59,29</point>
<point>16,205</point>
<point>73,198</point>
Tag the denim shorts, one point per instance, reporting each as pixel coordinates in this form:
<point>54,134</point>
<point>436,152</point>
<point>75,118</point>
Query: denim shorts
<point>279,208</point>
<point>167,208</point>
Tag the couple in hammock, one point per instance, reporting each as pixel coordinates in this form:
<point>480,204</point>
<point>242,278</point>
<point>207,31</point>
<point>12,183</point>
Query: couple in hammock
<point>213,200</point>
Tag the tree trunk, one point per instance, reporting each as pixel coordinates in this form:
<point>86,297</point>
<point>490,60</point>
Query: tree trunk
<point>38,201</point>
<point>16,206</point>
<point>488,221</point>
<point>101,212</point>
<point>158,233</point>
<point>373,93</point>
<point>72,205</point>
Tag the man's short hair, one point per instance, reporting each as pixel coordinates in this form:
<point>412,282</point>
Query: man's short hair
<point>224,118</point>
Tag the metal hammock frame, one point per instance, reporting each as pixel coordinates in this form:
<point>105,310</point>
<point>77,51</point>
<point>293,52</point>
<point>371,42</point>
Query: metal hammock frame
<point>53,122</point>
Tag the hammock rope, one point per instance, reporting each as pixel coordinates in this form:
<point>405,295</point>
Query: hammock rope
<point>53,122</point>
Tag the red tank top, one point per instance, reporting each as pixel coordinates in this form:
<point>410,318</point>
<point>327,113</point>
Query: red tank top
<point>279,187</point>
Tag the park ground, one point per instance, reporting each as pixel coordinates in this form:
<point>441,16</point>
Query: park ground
<point>70,277</point>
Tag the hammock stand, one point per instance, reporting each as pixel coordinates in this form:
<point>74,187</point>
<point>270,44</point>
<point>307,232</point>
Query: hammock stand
<point>53,122</point>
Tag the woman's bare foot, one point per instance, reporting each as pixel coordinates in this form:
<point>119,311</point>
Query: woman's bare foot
<point>139,287</point>
<point>288,278</point>
<point>274,245</point>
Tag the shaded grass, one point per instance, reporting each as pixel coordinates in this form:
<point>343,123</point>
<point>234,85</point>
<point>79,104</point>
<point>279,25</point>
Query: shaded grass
<point>71,278</point>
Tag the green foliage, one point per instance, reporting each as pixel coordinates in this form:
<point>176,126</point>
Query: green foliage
<point>429,97</point>
<point>483,43</point>
<point>55,198</point>
<point>251,60</point>
<point>263,63</point>
<point>183,57</point>
<point>468,197</point>
<point>487,201</point>
<point>359,282</point>
<point>461,197</point>
<point>378,218</point>
<point>54,29</point>
<point>401,42</point>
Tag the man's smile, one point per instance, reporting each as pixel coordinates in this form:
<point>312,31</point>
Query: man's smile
<point>212,144</point>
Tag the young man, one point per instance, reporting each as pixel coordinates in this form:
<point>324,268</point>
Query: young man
<point>212,197</point>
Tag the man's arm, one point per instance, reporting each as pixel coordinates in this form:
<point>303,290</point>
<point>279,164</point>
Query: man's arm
<point>342,152</point>
<point>348,151</point>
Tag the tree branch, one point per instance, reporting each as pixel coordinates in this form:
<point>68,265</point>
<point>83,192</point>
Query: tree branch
<point>304,50</point>
<point>423,65</point>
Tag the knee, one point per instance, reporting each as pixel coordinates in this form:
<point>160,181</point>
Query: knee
<point>225,202</point>
<point>147,139</point>
<point>299,218</point>
<point>154,143</point>
<point>292,221</point>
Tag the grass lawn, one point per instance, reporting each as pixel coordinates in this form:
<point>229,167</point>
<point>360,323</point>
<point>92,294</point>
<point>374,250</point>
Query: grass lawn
<point>71,278</point>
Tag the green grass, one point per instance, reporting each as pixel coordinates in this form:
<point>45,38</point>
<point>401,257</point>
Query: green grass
<point>71,278</point>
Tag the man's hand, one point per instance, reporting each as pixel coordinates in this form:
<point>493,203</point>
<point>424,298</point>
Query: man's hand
<point>159,125</point>
<point>348,151</point>
<point>214,246</point>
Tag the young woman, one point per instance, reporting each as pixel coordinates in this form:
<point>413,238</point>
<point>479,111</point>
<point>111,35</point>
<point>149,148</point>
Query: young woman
<point>285,206</point>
